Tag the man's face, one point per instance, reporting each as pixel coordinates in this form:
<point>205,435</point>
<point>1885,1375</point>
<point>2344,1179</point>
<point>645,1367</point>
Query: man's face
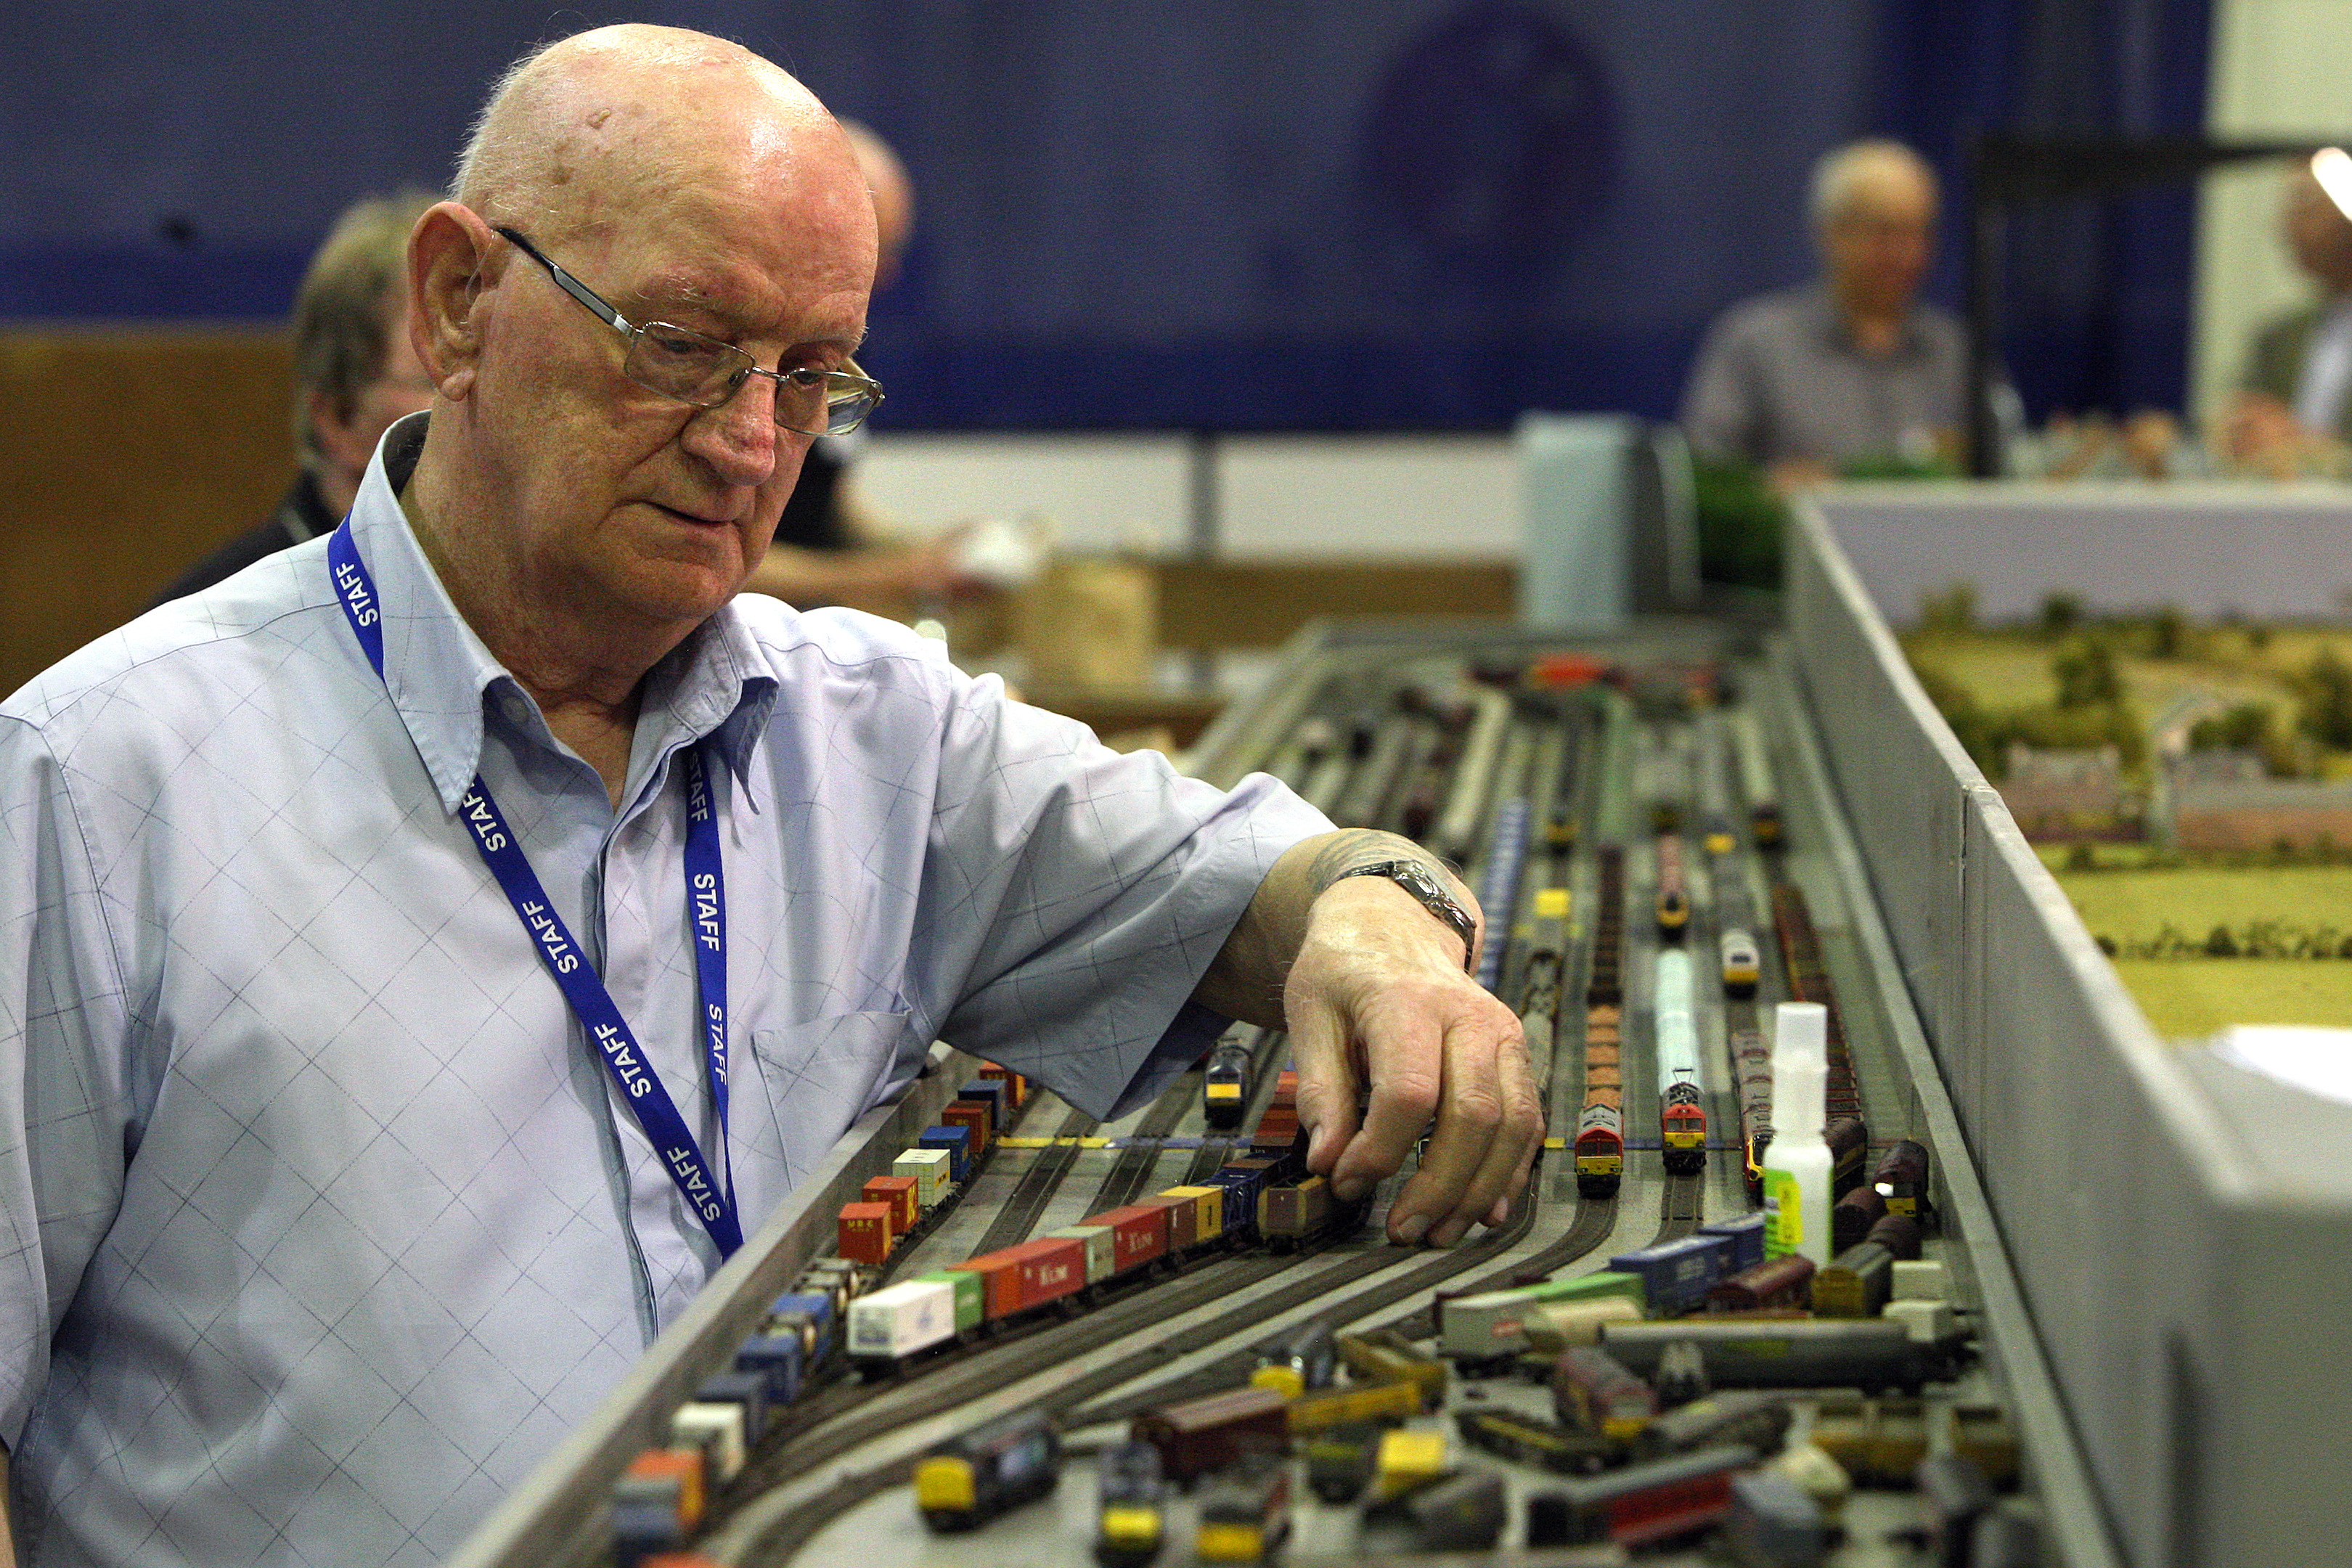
<point>1879,247</point>
<point>621,497</point>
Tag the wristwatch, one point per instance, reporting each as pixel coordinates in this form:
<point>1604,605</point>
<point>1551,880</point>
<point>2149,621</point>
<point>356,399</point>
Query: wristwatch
<point>1415,878</point>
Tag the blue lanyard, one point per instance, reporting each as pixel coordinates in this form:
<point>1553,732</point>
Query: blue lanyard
<point>705,895</point>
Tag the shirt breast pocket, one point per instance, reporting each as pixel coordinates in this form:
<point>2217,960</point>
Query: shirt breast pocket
<point>813,1079</point>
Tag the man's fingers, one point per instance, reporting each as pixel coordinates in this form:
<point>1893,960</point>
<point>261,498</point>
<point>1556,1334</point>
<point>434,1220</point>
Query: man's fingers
<point>1502,1170</point>
<point>1482,1122</point>
<point>1327,1084</point>
<point>1404,1074</point>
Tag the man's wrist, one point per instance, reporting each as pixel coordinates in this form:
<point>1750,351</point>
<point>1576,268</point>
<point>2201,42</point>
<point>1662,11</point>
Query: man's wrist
<point>1425,887</point>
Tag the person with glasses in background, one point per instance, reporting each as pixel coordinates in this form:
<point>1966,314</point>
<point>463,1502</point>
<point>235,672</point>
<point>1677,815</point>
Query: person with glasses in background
<point>425,956</point>
<point>832,545</point>
<point>355,372</point>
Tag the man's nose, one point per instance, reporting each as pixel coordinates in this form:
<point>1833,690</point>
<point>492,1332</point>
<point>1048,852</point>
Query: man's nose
<point>738,438</point>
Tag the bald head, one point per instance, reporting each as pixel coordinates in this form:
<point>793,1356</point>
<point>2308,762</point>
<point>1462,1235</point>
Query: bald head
<point>1874,208</point>
<point>619,121</point>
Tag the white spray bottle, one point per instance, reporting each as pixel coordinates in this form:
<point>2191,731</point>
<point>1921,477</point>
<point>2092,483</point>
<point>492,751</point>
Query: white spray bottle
<point>1797,1165</point>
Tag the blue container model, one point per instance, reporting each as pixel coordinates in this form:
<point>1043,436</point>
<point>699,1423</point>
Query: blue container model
<point>811,1313</point>
<point>777,1359</point>
<point>996,1094</point>
<point>748,1389</point>
<point>1676,1275</point>
<point>1747,1233</point>
<point>957,1141</point>
<point>1241,1189</point>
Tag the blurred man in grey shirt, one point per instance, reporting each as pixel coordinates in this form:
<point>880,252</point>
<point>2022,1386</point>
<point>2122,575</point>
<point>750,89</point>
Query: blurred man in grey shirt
<point>1853,368</point>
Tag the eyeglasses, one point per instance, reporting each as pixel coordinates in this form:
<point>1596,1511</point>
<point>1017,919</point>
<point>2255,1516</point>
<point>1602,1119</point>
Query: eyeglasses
<point>680,362</point>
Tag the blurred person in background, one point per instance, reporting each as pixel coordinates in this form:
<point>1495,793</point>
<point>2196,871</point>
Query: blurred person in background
<point>2293,410</point>
<point>354,375</point>
<point>1854,369</point>
<point>830,546</point>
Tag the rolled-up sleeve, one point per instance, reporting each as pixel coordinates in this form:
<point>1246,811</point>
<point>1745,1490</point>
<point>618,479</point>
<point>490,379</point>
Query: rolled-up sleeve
<point>1073,897</point>
<point>63,1022</point>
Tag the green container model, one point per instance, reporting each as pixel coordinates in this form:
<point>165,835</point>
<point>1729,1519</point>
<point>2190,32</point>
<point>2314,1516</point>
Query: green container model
<point>969,1295</point>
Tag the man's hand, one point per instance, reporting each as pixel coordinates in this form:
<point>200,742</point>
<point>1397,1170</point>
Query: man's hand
<point>1378,998</point>
<point>1374,995</point>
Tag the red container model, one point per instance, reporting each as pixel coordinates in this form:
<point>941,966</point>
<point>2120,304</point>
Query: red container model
<point>1016,1086</point>
<point>1031,1274</point>
<point>900,1193</point>
<point>1183,1219</point>
<point>1138,1233</point>
<point>973,1114</point>
<point>865,1232</point>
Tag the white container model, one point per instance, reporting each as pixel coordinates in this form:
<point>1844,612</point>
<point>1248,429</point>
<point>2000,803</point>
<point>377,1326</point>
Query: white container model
<point>1798,1166</point>
<point>1100,1243</point>
<point>899,1320</point>
<point>716,1427</point>
<point>929,1169</point>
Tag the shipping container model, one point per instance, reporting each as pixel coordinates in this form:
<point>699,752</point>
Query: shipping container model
<point>899,1321</point>
<point>1211,1215</point>
<point>659,1500</point>
<point>1013,1083</point>
<point>1097,1241</point>
<point>809,1316</point>
<point>1676,1275</point>
<point>970,1296</point>
<point>1877,1442</point>
<point>975,1117</point>
<point>1291,1215</point>
<point>970,1480</point>
<point>904,1196</point>
<point>956,1142</point>
<point>1196,1437</point>
<point>928,1167</point>
<point>1030,1274</point>
<point>993,1093</point>
<point>718,1430</point>
<point>1184,1218</point>
<point>1139,1234</point>
<point>865,1232</point>
<point>1747,1233</point>
<point>776,1358</point>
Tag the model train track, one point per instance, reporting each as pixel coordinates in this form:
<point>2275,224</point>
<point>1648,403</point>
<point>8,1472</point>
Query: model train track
<point>777,1540</point>
<point>1038,1185</point>
<point>1131,1172</point>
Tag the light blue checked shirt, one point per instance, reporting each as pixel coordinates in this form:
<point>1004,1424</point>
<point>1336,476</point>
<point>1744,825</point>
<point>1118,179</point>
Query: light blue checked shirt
<point>318,1223</point>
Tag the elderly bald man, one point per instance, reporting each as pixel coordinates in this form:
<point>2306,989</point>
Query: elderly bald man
<point>424,956</point>
<point>1856,367</point>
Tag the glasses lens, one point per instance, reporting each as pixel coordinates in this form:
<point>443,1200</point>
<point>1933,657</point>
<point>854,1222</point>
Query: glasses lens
<point>678,362</point>
<point>847,410</point>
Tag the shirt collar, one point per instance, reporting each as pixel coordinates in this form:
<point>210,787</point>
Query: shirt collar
<point>1830,323</point>
<point>447,685</point>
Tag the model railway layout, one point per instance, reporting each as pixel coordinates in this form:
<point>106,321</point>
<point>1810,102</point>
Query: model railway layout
<point>1044,1338</point>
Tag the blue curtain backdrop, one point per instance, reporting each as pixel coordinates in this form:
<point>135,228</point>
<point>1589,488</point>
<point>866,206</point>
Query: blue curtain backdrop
<point>1350,215</point>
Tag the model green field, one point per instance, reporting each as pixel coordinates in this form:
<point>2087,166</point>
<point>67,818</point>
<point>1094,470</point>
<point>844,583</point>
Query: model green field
<point>2192,997</point>
<point>2200,943</point>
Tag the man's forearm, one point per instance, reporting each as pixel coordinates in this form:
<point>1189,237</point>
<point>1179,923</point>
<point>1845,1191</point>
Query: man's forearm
<point>1247,978</point>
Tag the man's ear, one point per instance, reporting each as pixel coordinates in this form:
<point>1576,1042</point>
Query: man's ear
<point>447,254</point>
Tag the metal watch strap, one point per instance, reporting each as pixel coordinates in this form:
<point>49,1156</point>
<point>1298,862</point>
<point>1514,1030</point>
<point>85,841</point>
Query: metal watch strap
<point>1415,878</point>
